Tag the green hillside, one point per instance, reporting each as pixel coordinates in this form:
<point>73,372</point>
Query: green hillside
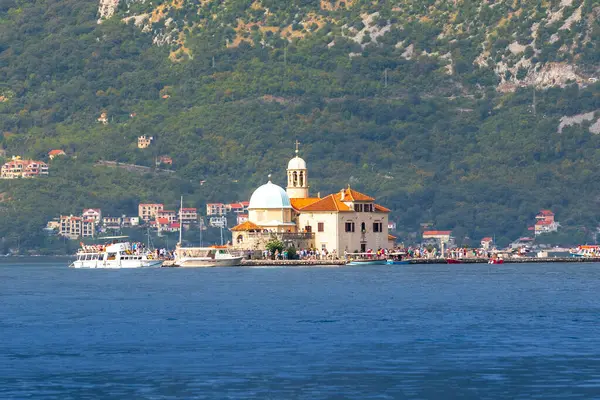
<point>447,112</point>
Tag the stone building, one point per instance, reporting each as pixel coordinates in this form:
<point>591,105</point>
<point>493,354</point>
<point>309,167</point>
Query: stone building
<point>346,221</point>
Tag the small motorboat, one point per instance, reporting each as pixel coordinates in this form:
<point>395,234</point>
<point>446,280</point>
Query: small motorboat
<point>367,261</point>
<point>397,262</point>
<point>453,261</point>
<point>496,261</point>
<point>396,258</point>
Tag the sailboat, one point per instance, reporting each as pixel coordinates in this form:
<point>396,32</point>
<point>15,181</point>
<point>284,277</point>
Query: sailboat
<point>212,256</point>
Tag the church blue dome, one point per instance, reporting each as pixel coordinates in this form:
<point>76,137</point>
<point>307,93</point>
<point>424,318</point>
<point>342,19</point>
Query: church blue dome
<point>269,196</point>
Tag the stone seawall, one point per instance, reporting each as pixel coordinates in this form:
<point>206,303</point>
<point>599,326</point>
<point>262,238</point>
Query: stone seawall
<point>521,260</point>
<point>299,263</point>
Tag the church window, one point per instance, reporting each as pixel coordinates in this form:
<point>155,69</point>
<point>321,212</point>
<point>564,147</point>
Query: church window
<point>363,227</point>
<point>321,227</point>
<point>240,238</point>
<point>349,226</point>
<point>295,179</point>
<point>302,179</point>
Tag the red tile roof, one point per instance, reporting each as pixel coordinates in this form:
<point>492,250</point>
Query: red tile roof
<point>543,222</point>
<point>546,213</point>
<point>246,226</point>
<point>56,152</point>
<point>301,203</point>
<point>392,237</point>
<point>436,233</point>
<point>329,203</point>
<point>381,208</point>
<point>353,195</point>
<point>189,209</point>
<point>162,221</point>
<point>487,239</point>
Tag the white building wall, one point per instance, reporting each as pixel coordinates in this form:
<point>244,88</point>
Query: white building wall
<point>352,241</point>
<point>326,239</point>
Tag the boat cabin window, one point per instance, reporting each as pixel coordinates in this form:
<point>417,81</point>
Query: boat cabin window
<point>112,256</point>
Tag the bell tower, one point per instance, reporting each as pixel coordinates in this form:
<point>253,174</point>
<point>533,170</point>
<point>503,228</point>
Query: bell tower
<point>297,186</point>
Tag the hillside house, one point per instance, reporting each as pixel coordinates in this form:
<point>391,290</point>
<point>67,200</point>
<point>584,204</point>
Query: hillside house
<point>128,222</point>
<point>189,215</point>
<point>56,153</point>
<point>74,227</point>
<point>93,213</point>
<point>147,211</point>
<point>103,119</point>
<point>111,222</point>
<point>241,218</point>
<point>487,243</point>
<point>17,168</point>
<point>171,216</point>
<point>216,209</point>
<point>163,225</point>
<point>144,141</point>
<point>444,237</point>
<point>166,160</point>
<point>545,222</point>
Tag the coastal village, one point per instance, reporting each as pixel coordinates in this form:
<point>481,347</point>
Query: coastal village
<point>336,224</point>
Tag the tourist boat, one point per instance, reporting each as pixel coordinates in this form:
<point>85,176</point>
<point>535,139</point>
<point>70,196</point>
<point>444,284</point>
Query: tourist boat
<point>364,259</point>
<point>214,256</point>
<point>397,262</point>
<point>586,251</point>
<point>115,254</point>
<point>396,259</point>
<point>367,261</point>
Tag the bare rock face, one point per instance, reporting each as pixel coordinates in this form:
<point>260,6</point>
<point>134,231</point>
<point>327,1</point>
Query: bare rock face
<point>554,74</point>
<point>106,9</point>
<point>579,119</point>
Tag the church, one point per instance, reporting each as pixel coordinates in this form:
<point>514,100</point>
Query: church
<point>346,221</point>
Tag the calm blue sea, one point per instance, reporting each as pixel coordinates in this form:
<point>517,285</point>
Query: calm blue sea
<point>371,332</point>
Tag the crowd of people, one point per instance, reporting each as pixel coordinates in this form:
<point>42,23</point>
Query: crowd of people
<point>417,252</point>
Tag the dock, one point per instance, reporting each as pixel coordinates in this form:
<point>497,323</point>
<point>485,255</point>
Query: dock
<point>295,263</point>
<point>516,260</point>
<point>333,263</point>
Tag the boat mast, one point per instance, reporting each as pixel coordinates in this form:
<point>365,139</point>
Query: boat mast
<point>180,223</point>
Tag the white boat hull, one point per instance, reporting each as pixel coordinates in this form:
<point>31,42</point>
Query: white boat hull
<point>202,262</point>
<point>117,264</point>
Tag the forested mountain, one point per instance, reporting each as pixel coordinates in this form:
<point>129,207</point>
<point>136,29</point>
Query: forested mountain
<point>470,115</point>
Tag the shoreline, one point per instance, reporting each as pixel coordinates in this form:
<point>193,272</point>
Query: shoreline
<point>339,263</point>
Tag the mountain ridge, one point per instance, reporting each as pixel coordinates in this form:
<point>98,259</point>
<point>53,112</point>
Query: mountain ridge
<point>427,131</point>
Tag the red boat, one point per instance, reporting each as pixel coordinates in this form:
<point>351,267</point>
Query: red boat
<point>496,261</point>
<point>453,261</point>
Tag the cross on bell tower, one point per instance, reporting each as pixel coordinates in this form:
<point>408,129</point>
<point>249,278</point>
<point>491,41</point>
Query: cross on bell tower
<point>297,186</point>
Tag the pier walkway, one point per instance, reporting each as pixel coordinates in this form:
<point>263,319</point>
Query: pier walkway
<point>299,263</point>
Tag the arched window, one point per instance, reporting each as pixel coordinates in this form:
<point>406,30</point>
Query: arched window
<point>295,178</point>
<point>301,179</point>
<point>240,238</point>
<point>363,227</point>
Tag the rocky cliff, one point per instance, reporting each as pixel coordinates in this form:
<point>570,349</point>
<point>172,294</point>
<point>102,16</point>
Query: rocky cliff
<point>548,44</point>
